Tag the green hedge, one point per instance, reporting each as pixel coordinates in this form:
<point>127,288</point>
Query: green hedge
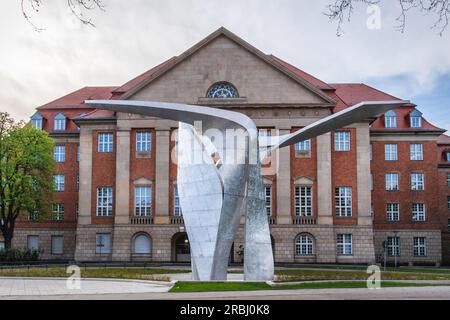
<point>18,255</point>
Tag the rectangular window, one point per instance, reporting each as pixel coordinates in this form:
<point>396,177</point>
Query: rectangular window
<point>342,141</point>
<point>57,245</point>
<point>78,153</point>
<point>78,182</point>
<point>104,201</point>
<point>37,123</point>
<point>33,242</point>
<point>176,202</point>
<point>303,201</point>
<point>418,212</point>
<point>105,142</point>
<point>344,244</point>
<point>103,243</point>
<point>391,181</point>
<point>420,247</point>
<point>143,201</point>
<point>268,199</point>
<point>416,152</point>
<point>448,202</point>
<point>77,209</point>
<point>143,142</point>
<point>303,148</point>
<point>448,156</point>
<point>390,121</point>
<point>58,181</point>
<point>343,198</point>
<point>393,212</point>
<point>58,212</point>
<point>393,246</point>
<point>448,225</point>
<point>415,122</point>
<point>59,153</point>
<point>2,245</point>
<point>390,152</point>
<point>448,179</point>
<point>417,181</point>
<point>60,124</point>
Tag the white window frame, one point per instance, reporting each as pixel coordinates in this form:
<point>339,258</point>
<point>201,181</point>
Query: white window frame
<point>177,212</point>
<point>59,122</point>
<point>342,141</point>
<point>143,141</point>
<point>420,246</point>
<point>393,246</point>
<point>418,212</point>
<point>304,245</point>
<point>417,181</point>
<point>105,142</point>
<point>416,152</point>
<point>390,152</point>
<point>58,211</point>
<point>59,182</point>
<point>448,179</point>
<point>344,244</point>
<point>303,201</point>
<point>390,119</point>
<point>78,153</point>
<point>393,211</point>
<point>343,201</point>
<point>392,181</point>
<point>303,148</point>
<point>415,122</point>
<point>37,123</point>
<point>268,199</point>
<point>139,249</point>
<point>59,153</point>
<point>143,201</point>
<point>104,205</point>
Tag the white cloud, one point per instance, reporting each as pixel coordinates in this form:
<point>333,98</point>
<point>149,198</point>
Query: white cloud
<point>132,36</point>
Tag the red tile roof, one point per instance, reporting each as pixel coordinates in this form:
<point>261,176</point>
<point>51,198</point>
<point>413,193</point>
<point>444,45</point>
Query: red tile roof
<point>76,99</point>
<point>353,93</point>
<point>302,74</point>
<point>135,81</point>
<point>443,139</point>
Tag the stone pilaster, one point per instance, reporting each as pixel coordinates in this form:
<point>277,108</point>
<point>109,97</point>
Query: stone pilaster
<point>363,173</point>
<point>122,178</point>
<point>84,217</point>
<point>324,192</point>
<point>162,176</point>
<point>284,183</point>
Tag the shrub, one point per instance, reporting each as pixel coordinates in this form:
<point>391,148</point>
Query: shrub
<point>18,255</point>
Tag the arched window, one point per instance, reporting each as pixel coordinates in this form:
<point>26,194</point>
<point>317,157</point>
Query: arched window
<point>36,120</point>
<point>222,90</point>
<point>415,119</point>
<point>390,119</point>
<point>304,245</point>
<point>142,244</point>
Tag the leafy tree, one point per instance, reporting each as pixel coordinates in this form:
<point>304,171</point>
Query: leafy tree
<point>26,173</point>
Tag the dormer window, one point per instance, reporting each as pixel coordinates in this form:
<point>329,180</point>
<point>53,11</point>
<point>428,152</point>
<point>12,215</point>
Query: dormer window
<point>415,119</point>
<point>222,90</point>
<point>447,156</point>
<point>36,121</point>
<point>390,119</point>
<point>60,122</point>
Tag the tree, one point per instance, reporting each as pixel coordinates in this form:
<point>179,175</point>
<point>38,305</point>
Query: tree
<point>341,11</point>
<point>77,7</point>
<point>26,173</point>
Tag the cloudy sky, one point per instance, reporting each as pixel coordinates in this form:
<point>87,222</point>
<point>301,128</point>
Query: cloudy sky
<point>132,36</point>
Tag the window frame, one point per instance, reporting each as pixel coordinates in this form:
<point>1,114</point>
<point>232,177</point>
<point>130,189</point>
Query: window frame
<point>303,201</point>
<point>393,246</point>
<point>268,199</point>
<point>101,245</point>
<point>343,202</point>
<point>102,209</point>
<point>105,142</point>
<point>59,153</point>
<point>143,142</point>
<point>420,249</point>
<point>418,216</point>
<point>416,152</point>
<point>392,215</point>
<point>342,141</point>
<point>59,182</point>
<point>58,211</point>
<point>304,245</point>
<point>52,244</point>
<point>344,247</point>
<point>143,201</point>
<point>392,184</point>
<point>177,211</point>
<point>390,119</point>
<point>391,152</point>
<point>417,184</point>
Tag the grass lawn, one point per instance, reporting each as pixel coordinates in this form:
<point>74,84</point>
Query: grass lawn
<point>184,286</point>
<point>290,275</point>
<point>92,272</point>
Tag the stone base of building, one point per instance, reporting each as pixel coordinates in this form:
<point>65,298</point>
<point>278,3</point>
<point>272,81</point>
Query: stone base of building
<point>45,235</point>
<point>433,244</point>
<point>446,248</point>
<point>80,244</point>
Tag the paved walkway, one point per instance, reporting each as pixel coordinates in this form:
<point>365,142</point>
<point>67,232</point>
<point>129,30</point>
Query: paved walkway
<point>46,287</point>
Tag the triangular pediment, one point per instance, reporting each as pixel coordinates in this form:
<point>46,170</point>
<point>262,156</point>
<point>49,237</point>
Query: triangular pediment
<point>224,57</point>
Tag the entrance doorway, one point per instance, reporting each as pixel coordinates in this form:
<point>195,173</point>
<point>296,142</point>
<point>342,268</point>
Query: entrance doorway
<point>181,248</point>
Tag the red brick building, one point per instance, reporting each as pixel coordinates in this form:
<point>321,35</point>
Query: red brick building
<point>333,199</point>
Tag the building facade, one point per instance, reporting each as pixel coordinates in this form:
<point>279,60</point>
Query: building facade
<point>336,198</point>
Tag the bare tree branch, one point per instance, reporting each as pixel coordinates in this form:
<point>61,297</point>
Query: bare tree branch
<point>77,7</point>
<point>342,10</point>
